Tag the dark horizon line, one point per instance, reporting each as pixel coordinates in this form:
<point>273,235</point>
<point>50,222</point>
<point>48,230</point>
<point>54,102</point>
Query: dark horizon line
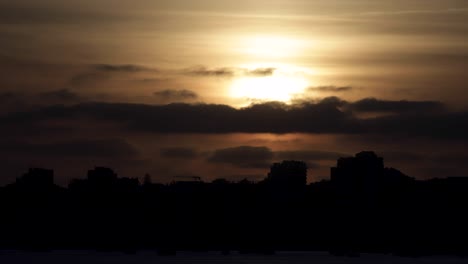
<point>197,178</point>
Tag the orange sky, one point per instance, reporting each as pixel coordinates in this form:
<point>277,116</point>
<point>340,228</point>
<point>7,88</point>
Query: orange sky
<point>413,50</point>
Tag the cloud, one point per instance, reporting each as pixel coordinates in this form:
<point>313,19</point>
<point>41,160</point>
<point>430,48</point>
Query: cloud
<point>452,125</point>
<point>7,96</point>
<point>63,95</point>
<point>309,155</point>
<point>403,106</point>
<point>102,72</point>
<point>203,71</point>
<point>333,101</point>
<point>111,148</point>
<point>88,77</point>
<point>405,156</point>
<point>13,101</point>
<point>262,157</point>
<point>243,156</point>
<point>179,153</point>
<point>16,13</point>
<point>153,80</point>
<point>171,95</point>
<point>260,72</point>
<point>320,117</point>
<point>331,89</point>
<point>131,68</point>
<point>17,101</point>
<point>12,98</point>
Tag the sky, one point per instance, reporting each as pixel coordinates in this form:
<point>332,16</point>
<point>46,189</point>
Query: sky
<point>221,89</point>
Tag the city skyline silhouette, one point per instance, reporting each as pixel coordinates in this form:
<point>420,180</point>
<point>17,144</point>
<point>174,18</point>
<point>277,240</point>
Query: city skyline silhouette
<point>365,207</point>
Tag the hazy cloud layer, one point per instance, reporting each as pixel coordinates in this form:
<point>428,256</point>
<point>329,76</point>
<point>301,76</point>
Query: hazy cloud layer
<point>176,95</point>
<point>102,72</point>
<point>203,71</point>
<point>403,106</point>
<point>330,89</point>
<point>243,156</point>
<point>110,148</point>
<point>87,78</point>
<point>262,156</point>
<point>179,153</point>
<point>319,117</point>
<point>260,72</point>
<point>17,101</point>
<point>309,155</point>
<point>122,68</point>
<point>63,95</point>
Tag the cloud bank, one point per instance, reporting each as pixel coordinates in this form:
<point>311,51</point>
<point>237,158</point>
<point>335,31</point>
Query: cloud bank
<point>328,116</point>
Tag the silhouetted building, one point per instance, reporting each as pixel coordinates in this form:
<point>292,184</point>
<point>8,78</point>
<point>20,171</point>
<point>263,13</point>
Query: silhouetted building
<point>147,180</point>
<point>102,175</point>
<point>360,175</point>
<point>37,178</point>
<point>127,184</point>
<point>101,179</point>
<point>288,173</point>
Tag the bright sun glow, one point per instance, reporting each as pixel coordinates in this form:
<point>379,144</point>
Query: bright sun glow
<point>270,88</point>
<point>272,46</point>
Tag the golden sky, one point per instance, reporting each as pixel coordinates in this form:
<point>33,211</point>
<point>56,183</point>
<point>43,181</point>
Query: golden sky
<point>400,49</point>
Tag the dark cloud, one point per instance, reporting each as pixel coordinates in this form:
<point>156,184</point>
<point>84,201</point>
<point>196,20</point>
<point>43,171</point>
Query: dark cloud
<point>153,80</point>
<point>170,95</point>
<point>63,95</point>
<point>403,106</point>
<point>452,125</point>
<point>88,77</point>
<point>323,116</point>
<point>131,68</point>
<point>228,72</point>
<point>203,71</point>
<point>309,155</point>
<point>262,157</point>
<point>261,72</point>
<point>332,89</point>
<point>405,156</point>
<point>331,101</point>
<point>111,148</point>
<point>243,156</point>
<point>102,72</point>
<point>179,153</point>
<point>12,14</point>
<point>12,101</point>
<point>7,96</point>
<point>16,101</point>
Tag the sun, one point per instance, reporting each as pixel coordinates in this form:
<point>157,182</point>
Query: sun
<point>272,51</point>
<point>277,87</point>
